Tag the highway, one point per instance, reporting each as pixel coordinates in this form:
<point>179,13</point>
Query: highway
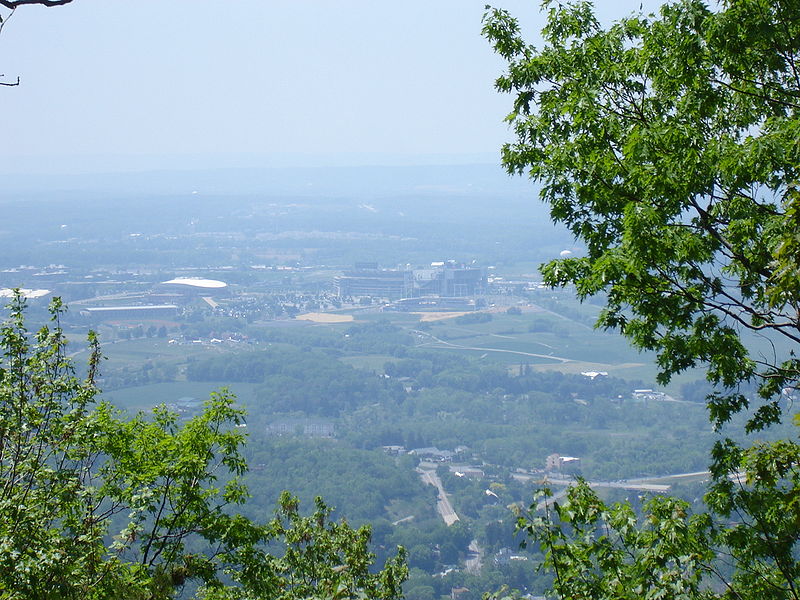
<point>443,505</point>
<point>640,484</point>
<point>658,488</point>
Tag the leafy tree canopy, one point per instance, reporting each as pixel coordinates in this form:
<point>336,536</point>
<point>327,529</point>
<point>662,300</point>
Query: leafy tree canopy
<point>669,144</point>
<point>95,505</point>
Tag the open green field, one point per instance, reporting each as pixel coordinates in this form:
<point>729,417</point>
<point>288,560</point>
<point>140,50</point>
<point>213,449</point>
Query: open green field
<point>137,351</point>
<point>539,337</point>
<point>516,339</point>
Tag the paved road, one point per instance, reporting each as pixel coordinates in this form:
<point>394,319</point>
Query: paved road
<point>122,296</point>
<point>633,484</point>
<point>641,484</point>
<point>85,348</point>
<point>443,503</point>
<point>437,340</point>
<point>658,488</point>
<point>474,560</point>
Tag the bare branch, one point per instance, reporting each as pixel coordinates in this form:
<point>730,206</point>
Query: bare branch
<point>12,4</point>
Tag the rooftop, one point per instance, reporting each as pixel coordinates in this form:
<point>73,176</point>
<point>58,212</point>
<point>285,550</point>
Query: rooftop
<point>197,282</point>
<point>30,294</point>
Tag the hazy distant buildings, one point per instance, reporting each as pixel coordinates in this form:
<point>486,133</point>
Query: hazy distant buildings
<point>433,304</point>
<point>468,472</point>
<point>649,394</point>
<point>26,293</point>
<point>441,279</point>
<point>303,427</point>
<point>562,464</point>
<point>388,283</point>
<point>595,374</point>
<point>128,313</point>
<point>433,453</point>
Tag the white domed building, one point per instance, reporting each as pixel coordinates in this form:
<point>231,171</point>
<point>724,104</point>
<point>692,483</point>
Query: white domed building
<point>194,286</point>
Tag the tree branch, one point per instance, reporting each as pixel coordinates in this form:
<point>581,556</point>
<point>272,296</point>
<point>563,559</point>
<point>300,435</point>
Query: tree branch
<point>12,4</point>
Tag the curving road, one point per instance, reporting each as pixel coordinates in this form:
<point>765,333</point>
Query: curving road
<point>436,340</point>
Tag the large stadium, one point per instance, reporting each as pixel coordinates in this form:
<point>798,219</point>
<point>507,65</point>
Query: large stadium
<point>194,286</point>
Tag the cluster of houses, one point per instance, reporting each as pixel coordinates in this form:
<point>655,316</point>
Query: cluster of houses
<point>311,428</point>
<point>555,463</point>
<point>432,454</point>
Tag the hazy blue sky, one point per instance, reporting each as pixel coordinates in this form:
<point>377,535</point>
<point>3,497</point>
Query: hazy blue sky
<point>112,84</point>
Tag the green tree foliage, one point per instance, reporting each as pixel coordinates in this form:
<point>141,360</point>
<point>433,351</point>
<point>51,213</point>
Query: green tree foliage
<point>94,505</point>
<point>668,144</point>
<point>473,318</point>
<point>361,484</point>
<point>299,380</point>
<point>601,551</point>
<point>310,557</point>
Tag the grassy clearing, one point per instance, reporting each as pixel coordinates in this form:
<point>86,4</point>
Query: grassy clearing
<point>126,352</point>
<point>505,357</point>
<point>511,334</point>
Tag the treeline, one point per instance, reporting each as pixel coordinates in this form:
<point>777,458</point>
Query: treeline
<point>359,484</point>
<point>310,381</point>
<point>699,390</point>
<point>434,398</point>
<point>366,487</point>
<point>614,439</point>
<point>430,367</point>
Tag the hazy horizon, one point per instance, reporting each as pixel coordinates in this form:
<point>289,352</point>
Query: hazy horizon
<point>139,85</point>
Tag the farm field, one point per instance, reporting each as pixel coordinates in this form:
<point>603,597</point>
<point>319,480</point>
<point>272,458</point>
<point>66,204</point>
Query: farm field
<point>534,337</point>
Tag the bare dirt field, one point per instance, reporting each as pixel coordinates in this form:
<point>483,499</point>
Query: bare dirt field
<point>438,316</point>
<point>325,318</point>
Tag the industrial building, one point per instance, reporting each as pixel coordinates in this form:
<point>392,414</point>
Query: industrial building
<point>194,286</point>
<point>387,283</point>
<point>441,279</point>
<point>127,313</point>
<point>433,304</point>
<point>26,293</point>
<point>562,464</point>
